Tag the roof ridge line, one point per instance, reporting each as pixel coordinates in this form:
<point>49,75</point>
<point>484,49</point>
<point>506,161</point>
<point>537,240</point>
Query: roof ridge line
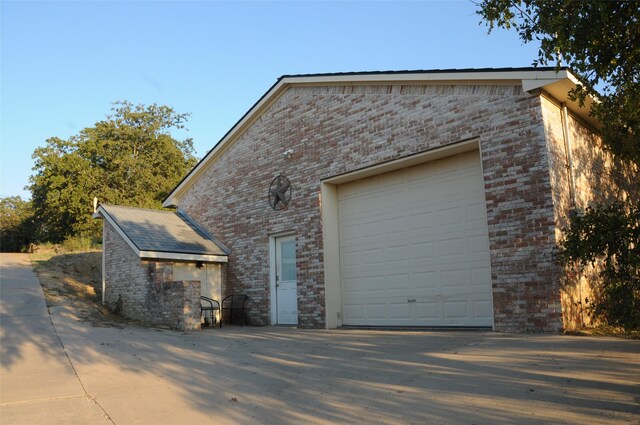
<point>425,71</point>
<point>163,210</point>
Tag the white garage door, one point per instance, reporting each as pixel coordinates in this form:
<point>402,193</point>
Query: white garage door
<point>414,248</point>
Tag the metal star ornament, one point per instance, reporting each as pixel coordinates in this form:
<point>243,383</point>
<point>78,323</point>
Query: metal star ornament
<point>280,193</point>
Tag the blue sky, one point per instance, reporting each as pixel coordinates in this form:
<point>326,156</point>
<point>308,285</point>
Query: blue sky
<point>64,63</point>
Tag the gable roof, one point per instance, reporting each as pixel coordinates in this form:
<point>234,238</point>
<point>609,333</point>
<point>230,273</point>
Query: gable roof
<point>557,82</point>
<point>157,234</point>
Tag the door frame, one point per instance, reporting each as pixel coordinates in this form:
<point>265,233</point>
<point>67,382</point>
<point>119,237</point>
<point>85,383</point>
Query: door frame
<point>272,273</point>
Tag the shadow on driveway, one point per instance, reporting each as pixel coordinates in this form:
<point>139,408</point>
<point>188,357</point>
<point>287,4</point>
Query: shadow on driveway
<point>289,376</point>
<point>276,375</point>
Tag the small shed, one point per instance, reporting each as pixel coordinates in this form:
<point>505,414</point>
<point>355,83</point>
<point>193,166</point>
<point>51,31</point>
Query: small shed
<point>174,262</point>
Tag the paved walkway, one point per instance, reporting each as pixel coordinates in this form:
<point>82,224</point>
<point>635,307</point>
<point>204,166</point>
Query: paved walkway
<point>38,384</point>
<point>245,376</point>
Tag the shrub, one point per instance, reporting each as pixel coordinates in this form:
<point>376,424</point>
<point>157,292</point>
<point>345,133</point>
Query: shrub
<point>609,238</point>
<point>78,244</point>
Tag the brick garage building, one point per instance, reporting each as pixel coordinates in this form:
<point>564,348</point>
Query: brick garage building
<point>426,198</point>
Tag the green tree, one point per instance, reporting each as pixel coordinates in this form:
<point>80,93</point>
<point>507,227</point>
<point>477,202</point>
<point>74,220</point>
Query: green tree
<point>16,224</point>
<point>609,236</point>
<point>600,42</point>
<point>128,159</point>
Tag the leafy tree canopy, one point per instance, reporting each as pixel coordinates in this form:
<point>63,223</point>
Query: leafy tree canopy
<point>130,158</point>
<point>15,224</point>
<point>599,41</point>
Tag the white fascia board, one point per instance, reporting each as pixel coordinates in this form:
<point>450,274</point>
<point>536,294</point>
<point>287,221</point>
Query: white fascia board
<point>450,77</point>
<point>544,78</point>
<point>101,212</point>
<point>183,257</point>
<point>559,88</point>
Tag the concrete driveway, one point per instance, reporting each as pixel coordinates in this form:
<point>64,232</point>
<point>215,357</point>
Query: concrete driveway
<point>38,384</point>
<point>270,375</point>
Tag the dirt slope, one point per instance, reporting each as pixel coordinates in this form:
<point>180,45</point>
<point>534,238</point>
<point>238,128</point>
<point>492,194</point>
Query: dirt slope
<point>73,281</point>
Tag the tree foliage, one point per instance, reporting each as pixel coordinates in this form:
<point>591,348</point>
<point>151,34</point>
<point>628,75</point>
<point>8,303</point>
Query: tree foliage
<point>130,158</point>
<point>609,238</point>
<point>598,40</point>
<point>16,224</point>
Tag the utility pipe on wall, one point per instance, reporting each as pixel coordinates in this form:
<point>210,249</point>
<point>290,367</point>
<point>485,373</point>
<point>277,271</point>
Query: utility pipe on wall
<point>569,157</point>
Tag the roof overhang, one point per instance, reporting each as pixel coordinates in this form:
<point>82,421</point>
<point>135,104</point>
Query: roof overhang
<point>158,255</point>
<point>557,83</point>
<point>559,89</point>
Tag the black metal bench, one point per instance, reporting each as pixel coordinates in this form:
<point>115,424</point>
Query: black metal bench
<point>235,306</point>
<point>212,306</point>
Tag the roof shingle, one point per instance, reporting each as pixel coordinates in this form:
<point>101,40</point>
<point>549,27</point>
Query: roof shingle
<point>163,231</point>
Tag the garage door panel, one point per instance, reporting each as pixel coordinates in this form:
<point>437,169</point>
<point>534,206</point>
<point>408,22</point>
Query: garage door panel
<point>398,311</point>
<point>449,247</point>
<point>354,313</point>
<point>349,232</point>
<point>370,230</point>
<point>375,285</point>
<point>396,255</point>
<point>481,276</point>
<point>483,309</point>
<point>376,311</point>
<point>423,250</point>
<point>394,226</point>
<point>476,213</point>
<point>350,262</point>
<point>428,310</point>
<point>351,285</point>
<point>372,256</point>
<point>425,282</point>
<point>478,244</point>
<point>448,216</point>
<point>414,246</point>
<point>452,280</point>
<point>398,284</point>
<point>456,309</point>
<point>471,184</point>
<point>422,220</point>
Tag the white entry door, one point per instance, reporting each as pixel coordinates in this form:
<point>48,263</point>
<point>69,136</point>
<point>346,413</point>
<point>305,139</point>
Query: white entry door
<point>286,281</point>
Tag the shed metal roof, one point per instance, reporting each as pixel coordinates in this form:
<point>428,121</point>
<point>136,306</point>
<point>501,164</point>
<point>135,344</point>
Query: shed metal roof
<point>163,234</point>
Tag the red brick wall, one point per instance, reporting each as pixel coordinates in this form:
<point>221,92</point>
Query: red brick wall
<point>337,129</point>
